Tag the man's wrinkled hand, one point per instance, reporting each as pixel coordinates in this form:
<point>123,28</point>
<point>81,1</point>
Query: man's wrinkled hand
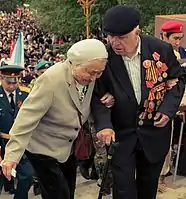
<point>107,136</point>
<point>161,120</point>
<point>7,167</point>
<point>171,83</point>
<point>108,100</point>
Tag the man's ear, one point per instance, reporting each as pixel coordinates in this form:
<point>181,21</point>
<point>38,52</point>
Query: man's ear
<point>1,76</point>
<point>164,36</point>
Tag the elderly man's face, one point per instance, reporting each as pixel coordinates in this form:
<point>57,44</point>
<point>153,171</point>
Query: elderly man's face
<point>90,72</point>
<point>126,44</point>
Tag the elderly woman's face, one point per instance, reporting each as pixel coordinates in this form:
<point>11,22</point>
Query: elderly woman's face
<point>89,72</point>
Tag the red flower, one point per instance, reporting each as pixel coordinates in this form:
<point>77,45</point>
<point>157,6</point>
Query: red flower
<point>19,103</point>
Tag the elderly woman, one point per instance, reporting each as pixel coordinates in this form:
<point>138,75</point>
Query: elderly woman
<point>48,124</point>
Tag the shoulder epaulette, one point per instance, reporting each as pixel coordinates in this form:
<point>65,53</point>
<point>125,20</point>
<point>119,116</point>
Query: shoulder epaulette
<point>24,88</point>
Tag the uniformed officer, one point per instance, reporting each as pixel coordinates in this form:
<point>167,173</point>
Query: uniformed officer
<point>41,67</point>
<point>172,32</point>
<point>11,99</point>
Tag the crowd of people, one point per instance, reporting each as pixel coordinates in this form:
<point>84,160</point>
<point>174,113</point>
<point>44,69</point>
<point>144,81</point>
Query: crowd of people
<point>38,45</point>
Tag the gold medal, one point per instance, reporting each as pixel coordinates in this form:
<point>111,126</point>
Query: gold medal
<point>158,95</point>
<point>147,64</point>
<point>150,116</point>
<point>151,96</point>
<point>164,75</point>
<point>159,64</point>
<point>140,122</point>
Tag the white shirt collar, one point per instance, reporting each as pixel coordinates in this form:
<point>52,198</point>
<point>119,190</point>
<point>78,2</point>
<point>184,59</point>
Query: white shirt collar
<point>138,51</point>
<point>8,94</point>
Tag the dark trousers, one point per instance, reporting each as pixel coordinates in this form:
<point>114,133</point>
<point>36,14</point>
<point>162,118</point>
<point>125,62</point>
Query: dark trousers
<point>25,178</point>
<point>57,180</point>
<point>8,185</point>
<point>134,177</point>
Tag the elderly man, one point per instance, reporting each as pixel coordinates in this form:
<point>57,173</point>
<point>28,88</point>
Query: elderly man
<point>136,74</point>
<point>49,120</point>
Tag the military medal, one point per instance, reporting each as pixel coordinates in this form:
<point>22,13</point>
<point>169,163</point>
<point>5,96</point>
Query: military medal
<point>154,76</point>
<point>159,72</point>
<point>146,104</point>
<point>20,93</point>
<point>164,67</point>
<point>151,105</point>
<point>150,116</point>
<point>164,75</point>
<point>140,122</point>
<point>147,64</point>
<point>142,116</point>
<point>160,79</point>
<point>151,96</point>
<point>149,84</point>
<point>158,95</point>
<point>158,103</point>
<point>155,72</point>
<point>159,64</point>
<point>156,56</point>
<point>19,104</point>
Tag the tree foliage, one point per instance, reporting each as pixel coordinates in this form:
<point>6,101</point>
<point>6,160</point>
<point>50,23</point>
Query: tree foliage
<point>150,8</point>
<point>9,5</point>
<point>67,16</point>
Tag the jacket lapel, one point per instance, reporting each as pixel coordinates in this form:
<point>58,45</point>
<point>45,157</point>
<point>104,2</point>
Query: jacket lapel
<point>74,96</point>
<point>4,100</point>
<point>88,96</point>
<point>146,54</point>
<point>18,100</point>
<point>120,72</point>
<point>72,89</point>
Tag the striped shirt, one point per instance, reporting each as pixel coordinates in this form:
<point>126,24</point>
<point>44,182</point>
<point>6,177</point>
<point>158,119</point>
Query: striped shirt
<point>133,66</point>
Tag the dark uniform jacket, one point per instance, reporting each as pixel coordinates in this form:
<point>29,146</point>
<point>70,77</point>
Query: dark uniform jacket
<point>132,121</point>
<point>7,116</point>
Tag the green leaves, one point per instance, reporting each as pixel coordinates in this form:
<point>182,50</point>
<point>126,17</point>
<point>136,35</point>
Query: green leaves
<point>9,5</point>
<point>66,17</point>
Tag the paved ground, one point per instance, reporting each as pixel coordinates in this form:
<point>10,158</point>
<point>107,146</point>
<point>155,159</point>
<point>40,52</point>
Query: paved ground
<point>89,190</point>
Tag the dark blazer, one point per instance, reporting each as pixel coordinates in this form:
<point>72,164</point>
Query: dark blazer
<point>182,52</point>
<point>124,116</point>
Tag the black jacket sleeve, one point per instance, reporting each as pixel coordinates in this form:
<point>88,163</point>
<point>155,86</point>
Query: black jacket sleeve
<point>174,96</point>
<point>100,113</point>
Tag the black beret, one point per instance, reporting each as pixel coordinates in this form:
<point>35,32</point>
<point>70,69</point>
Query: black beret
<point>120,20</point>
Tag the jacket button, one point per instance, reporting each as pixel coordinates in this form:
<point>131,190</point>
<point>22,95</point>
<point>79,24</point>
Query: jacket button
<point>76,129</point>
<point>70,140</point>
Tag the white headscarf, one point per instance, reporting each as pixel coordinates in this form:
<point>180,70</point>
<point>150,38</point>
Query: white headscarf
<point>86,50</point>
